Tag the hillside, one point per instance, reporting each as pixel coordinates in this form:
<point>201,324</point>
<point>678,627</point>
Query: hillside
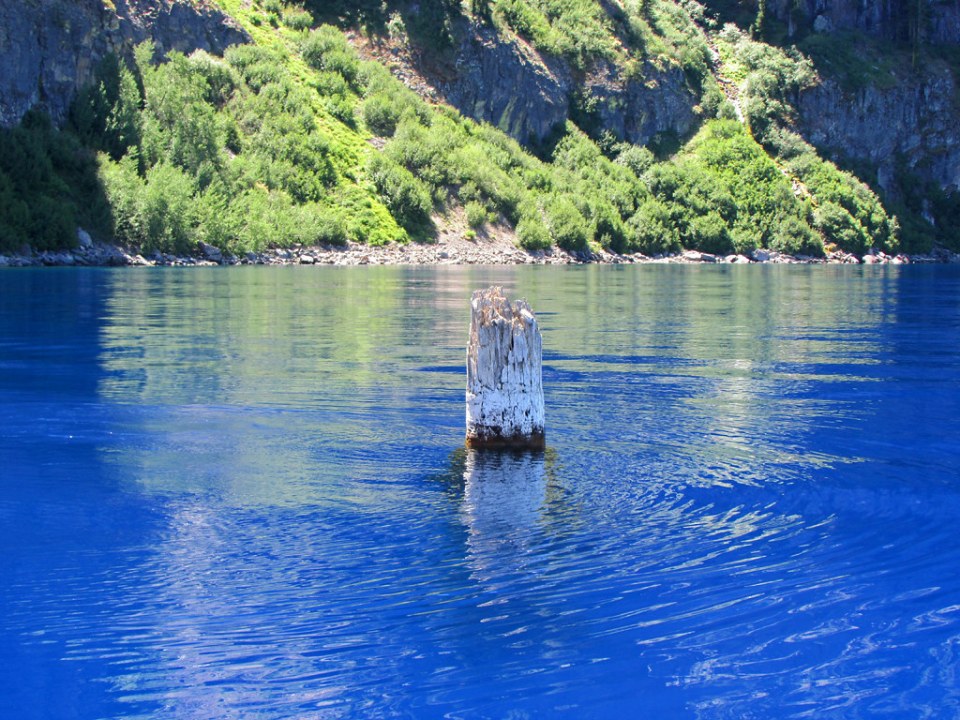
<point>629,126</point>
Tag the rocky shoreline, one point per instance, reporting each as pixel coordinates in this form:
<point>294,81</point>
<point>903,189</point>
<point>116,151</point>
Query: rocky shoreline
<point>462,252</point>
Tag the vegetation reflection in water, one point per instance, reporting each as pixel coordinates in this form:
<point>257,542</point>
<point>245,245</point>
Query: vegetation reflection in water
<point>726,521</point>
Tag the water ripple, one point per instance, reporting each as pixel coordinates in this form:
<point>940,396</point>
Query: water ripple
<point>226,512</point>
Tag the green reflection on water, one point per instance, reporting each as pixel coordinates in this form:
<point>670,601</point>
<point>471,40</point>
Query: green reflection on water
<point>279,384</point>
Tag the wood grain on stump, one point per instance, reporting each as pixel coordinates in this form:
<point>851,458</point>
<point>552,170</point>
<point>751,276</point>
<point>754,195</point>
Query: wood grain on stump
<point>504,385</point>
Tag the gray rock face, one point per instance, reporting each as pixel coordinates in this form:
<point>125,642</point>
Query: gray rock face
<point>881,18</point>
<point>637,109</point>
<point>914,121</point>
<point>51,48</point>
<point>505,82</point>
<point>210,252</point>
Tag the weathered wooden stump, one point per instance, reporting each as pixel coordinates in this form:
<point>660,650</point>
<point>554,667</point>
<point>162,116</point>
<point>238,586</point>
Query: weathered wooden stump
<point>504,385</point>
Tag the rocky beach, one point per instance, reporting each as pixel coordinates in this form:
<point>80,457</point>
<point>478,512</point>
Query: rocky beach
<point>461,251</point>
<point>494,246</point>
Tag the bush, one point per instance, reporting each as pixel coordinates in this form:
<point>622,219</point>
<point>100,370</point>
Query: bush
<point>48,186</point>
<point>567,226</point>
<point>709,233</point>
<point>166,209</point>
<point>296,18</point>
<point>327,49</point>
<point>532,233</point>
<point>381,115</point>
<point>746,239</point>
<point>216,223</point>
<point>638,159</point>
<point>579,30</point>
<point>497,184</point>
<point>105,114</point>
<point>773,76</point>
<point>652,230</point>
<point>830,184</point>
<point>606,226</point>
<point>329,227</point>
<point>221,79</point>
<point>795,237</point>
<point>259,66</point>
<point>476,214</point>
<point>124,188</point>
<point>407,198</point>
<point>840,228</point>
<point>53,223</point>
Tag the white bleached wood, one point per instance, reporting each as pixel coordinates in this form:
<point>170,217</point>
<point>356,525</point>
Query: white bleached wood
<point>504,385</point>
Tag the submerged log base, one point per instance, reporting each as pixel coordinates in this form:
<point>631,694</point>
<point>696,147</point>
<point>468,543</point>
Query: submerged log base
<point>494,441</point>
<point>504,384</point>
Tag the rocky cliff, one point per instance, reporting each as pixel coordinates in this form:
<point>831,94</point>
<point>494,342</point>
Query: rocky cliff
<point>934,21</point>
<point>493,76</point>
<point>911,125</point>
<point>51,48</point>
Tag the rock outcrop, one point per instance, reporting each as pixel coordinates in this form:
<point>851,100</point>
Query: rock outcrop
<point>657,101</point>
<point>505,83</point>
<point>51,48</point>
<point>910,125</point>
<point>889,19</point>
<point>503,80</point>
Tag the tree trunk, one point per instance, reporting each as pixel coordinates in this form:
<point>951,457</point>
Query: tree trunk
<point>504,386</point>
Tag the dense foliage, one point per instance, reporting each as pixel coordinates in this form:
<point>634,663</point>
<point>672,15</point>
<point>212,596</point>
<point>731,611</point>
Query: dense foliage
<point>846,212</point>
<point>48,187</point>
<point>296,139</point>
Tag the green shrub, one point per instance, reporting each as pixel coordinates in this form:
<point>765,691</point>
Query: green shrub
<point>216,223</point>
<point>325,48</point>
<point>606,226</point>
<point>220,78</point>
<point>528,22</point>
<point>296,18</point>
<point>407,198</point>
<point>709,233</point>
<point>746,239</point>
<point>830,184</point>
<point>429,153</point>
<point>532,233</point>
<point>840,228</point>
<point>795,237</point>
<point>330,228</point>
<point>53,223</point>
<point>651,230</point>
<point>476,214</point>
<point>265,219</point>
<point>124,189</point>
<point>579,30</point>
<point>499,189</point>
<point>259,66</point>
<point>638,159</point>
<point>381,115</point>
<point>568,228</point>
<point>166,210</point>
<point>105,114</point>
<point>48,186</point>
<point>773,76</point>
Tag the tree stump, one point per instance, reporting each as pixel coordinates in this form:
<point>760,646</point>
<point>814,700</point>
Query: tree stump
<point>504,385</point>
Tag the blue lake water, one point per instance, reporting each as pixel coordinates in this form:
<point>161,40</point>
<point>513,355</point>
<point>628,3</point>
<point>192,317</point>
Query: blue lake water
<point>242,494</point>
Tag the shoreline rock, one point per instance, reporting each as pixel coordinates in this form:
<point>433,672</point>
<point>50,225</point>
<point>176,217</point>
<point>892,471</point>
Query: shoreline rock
<point>464,252</point>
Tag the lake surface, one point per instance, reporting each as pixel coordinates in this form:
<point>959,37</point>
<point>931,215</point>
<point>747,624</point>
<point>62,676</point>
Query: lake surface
<point>242,494</point>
